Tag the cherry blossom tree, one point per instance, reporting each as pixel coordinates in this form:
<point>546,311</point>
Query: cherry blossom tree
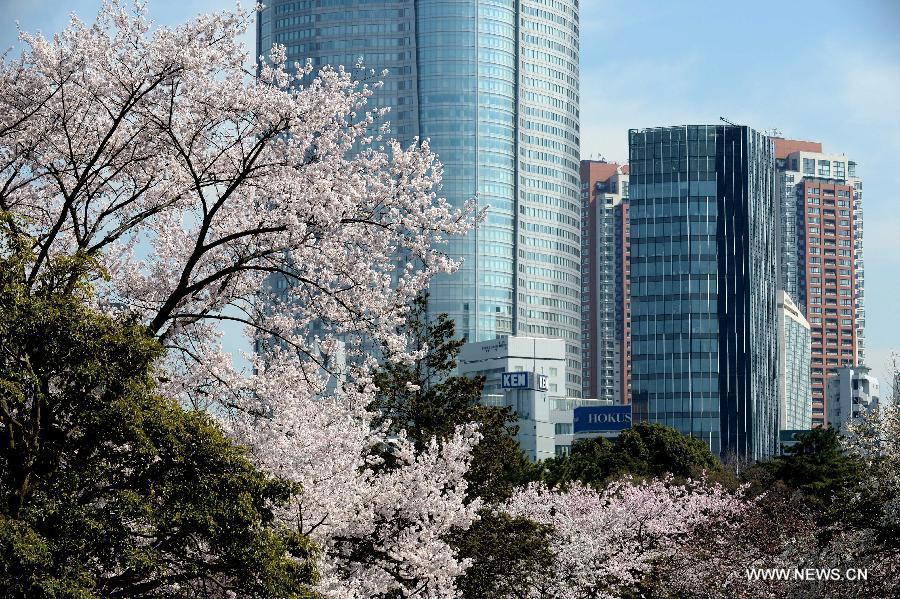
<point>153,155</point>
<point>774,530</point>
<point>872,539</point>
<point>381,528</point>
<point>605,542</point>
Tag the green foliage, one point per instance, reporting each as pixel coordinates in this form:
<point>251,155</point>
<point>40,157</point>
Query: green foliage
<point>107,489</point>
<point>422,398</point>
<point>498,463</point>
<point>817,466</point>
<point>645,450</point>
<point>509,555</point>
<point>427,401</point>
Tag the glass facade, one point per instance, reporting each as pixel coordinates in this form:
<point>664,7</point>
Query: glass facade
<point>493,84</point>
<point>704,318</point>
<point>795,392</point>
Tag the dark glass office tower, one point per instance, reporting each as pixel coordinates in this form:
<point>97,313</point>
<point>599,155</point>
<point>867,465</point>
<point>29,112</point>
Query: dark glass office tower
<point>703,285</point>
<point>493,84</point>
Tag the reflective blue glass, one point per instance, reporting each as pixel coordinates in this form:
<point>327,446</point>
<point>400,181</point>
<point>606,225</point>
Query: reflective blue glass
<point>703,284</point>
<point>493,85</point>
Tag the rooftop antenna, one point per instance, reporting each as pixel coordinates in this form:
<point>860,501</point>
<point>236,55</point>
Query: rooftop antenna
<point>724,120</point>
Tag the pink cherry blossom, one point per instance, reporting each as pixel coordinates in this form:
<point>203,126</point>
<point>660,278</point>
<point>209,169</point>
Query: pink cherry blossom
<point>197,187</point>
<point>604,542</point>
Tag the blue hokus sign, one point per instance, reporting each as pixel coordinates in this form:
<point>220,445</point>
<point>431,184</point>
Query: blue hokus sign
<point>601,419</point>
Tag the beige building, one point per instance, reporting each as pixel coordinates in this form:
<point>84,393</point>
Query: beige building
<point>794,391</point>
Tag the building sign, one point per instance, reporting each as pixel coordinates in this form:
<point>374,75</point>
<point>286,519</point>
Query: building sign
<point>515,380</point>
<point>524,380</point>
<point>500,346</point>
<point>601,419</point>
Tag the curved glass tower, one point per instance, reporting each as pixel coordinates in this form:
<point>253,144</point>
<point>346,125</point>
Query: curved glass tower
<point>493,84</point>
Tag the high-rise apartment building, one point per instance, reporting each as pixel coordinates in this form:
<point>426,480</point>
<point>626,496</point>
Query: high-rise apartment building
<point>822,269</point>
<point>794,345</point>
<point>493,84</point>
<point>704,320</point>
<point>605,316</point>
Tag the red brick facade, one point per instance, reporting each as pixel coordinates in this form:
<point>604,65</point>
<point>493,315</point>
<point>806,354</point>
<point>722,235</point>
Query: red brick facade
<point>830,282</point>
<point>592,173</point>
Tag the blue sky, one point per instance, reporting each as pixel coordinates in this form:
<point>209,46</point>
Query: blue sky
<point>821,70</point>
<point>825,71</point>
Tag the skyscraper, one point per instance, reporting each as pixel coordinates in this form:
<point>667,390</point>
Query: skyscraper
<point>704,322</point>
<point>794,391</point>
<point>605,317</point>
<point>494,85</point>
<point>821,220</point>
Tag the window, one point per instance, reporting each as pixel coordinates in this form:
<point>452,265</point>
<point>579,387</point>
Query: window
<point>838,169</point>
<point>809,166</point>
<point>563,428</point>
<point>824,168</point>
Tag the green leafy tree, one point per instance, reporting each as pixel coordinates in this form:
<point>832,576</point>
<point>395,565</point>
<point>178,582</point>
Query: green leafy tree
<point>510,556</point>
<point>817,466</point>
<point>427,400</point>
<point>423,398</point>
<point>107,489</point>
<point>645,450</point>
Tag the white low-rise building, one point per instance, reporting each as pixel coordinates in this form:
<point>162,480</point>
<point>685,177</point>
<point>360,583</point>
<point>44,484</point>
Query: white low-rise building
<point>852,392</point>
<point>523,373</point>
<point>527,374</point>
<point>562,415</point>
